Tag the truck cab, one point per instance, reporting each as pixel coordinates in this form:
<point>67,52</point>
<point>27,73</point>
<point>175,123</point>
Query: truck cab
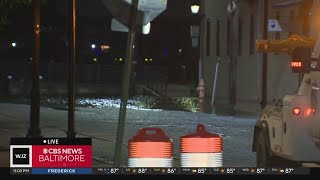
<point>288,134</point>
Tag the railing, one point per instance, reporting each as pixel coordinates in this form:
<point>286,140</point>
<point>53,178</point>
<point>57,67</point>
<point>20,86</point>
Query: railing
<point>57,72</point>
<point>155,79</point>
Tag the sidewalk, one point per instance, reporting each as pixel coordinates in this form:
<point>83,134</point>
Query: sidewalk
<point>100,124</point>
<point>242,109</point>
<point>248,109</point>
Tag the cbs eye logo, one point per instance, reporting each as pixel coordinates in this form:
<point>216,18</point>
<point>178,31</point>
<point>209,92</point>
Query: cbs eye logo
<point>20,156</point>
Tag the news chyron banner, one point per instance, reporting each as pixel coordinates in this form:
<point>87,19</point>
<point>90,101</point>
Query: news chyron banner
<point>50,156</point>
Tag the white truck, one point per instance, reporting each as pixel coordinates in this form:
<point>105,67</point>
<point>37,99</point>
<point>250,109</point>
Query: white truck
<point>289,134</point>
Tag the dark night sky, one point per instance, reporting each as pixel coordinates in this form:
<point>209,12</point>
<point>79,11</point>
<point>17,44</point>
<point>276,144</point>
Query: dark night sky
<point>169,33</point>
<point>94,26</point>
<point>94,8</point>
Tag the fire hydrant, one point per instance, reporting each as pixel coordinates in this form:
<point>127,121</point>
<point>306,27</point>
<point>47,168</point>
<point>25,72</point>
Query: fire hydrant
<point>202,94</point>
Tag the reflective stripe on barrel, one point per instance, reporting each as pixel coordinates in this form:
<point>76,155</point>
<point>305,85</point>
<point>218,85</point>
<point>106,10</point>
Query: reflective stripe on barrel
<point>201,145</point>
<point>150,162</point>
<point>201,160</point>
<point>201,149</point>
<point>150,147</point>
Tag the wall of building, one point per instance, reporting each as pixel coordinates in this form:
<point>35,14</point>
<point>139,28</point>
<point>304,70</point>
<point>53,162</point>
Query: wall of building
<point>215,10</point>
<point>315,28</point>
<point>280,79</point>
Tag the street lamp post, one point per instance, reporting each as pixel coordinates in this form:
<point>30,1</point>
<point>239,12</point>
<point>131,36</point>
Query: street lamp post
<point>202,39</point>
<point>201,88</point>
<point>34,130</point>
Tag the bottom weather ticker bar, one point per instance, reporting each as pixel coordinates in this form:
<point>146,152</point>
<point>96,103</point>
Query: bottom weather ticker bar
<point>202,171</point>
<point>162,171</point>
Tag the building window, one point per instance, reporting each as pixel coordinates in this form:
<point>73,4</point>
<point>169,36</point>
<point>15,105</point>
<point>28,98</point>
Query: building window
<point>278,18</point>
<point>218,38</point>
<point>208,37</point>
<point>252,34</point>
<point>240,37</point>
<point>228,37</point>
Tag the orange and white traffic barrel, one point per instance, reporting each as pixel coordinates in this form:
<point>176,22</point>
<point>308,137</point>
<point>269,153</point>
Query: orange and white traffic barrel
<point>150,147</point>
<point>201,149</point>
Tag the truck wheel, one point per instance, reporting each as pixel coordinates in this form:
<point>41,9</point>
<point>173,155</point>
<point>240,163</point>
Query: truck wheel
<point>262,155</point>
<point>265,159</point>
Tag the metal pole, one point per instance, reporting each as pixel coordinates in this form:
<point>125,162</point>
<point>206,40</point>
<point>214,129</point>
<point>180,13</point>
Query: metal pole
<point>72,60</point>
<point>202,39</point>
<point>265,56</point>
<point>214,87</point>
<point>259,55</point>
<point>202,54</point>
<point>125,83</point>
<point>234,41</point>
<point>34,130</point>
<point>300,78</point>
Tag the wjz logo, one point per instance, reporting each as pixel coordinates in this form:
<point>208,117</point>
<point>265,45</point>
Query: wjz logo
<point>20,156</point>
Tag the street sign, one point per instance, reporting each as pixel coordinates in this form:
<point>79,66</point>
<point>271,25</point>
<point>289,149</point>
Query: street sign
<point>147,11</point>
<point>274,26</point>
<point>119,27</point>
<point>195,42</point>
<point>195,31</point>
<point>195,34</point>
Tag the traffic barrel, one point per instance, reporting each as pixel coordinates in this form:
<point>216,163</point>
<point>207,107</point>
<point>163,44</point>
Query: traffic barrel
<point>150,147</point>
<point>201,149</point>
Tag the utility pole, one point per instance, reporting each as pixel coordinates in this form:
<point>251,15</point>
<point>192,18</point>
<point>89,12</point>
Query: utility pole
<point>263,102</point>
<point>72,61</point>
<point>34,130</point>
<point>125,83</point>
